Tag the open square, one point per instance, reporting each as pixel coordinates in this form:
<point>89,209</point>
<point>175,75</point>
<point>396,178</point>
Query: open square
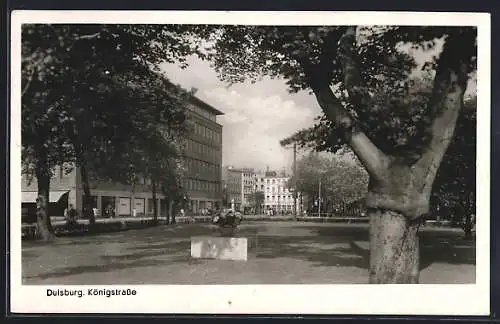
<point>278,253</point>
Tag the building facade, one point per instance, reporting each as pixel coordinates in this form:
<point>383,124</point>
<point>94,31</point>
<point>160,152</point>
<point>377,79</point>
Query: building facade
<point>240,186</point>
<point>202,160</point>
<point>277,194</point>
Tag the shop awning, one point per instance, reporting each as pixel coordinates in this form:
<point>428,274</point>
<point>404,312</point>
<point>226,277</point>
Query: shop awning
<point>30,196</point>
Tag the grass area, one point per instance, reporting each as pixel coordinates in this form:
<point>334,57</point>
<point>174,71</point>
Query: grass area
<point>279,253</point>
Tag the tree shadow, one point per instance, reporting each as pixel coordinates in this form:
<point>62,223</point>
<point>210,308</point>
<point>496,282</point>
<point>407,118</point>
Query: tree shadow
<point>435,247</point>
<point>142,253</point>
<point>178,254</point>
<point>347,254</point>
<point>100,268</point>
<point>321,245</point>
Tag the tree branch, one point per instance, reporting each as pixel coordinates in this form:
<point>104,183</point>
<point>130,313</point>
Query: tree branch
<point>28,83</point>
<point>90,36</point>
<point>350,69</point>
<point>372,158</point>
<point>32,67</point>
<point>31,57</point>
<point>446,103</point>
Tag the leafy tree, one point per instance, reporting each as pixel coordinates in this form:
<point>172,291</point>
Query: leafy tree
<point>70,102</point>
<point>401,143</point>
<point>455,183</point>
<point>257,199</point>
<point>341,181</point>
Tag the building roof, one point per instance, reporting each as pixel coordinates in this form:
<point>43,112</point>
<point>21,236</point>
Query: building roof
<point>234,169</point>
<point>195,100</point>
<point>206,106</point>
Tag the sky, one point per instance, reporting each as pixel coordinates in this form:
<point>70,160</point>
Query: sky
<point>256,116</point>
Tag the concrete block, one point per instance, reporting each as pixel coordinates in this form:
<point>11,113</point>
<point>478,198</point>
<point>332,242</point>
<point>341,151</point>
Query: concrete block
<point>219,248</point>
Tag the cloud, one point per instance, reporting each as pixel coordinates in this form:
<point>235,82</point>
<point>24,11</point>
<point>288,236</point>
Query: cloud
<point>254,125</point>
<point>256,116</point>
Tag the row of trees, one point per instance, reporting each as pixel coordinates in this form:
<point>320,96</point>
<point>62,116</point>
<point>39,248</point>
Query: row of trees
<point>91,98</point>
<point>257,200</point>
<point>342,181</point>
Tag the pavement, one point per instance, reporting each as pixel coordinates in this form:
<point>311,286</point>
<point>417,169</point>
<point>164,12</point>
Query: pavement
<point>278,253</point>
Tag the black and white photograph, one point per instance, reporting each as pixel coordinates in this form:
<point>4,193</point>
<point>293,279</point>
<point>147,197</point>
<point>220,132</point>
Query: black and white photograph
<point>250,162</point>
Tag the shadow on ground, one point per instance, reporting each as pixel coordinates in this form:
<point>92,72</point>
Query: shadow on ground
<point>436,246</point>
<point>331,246</point>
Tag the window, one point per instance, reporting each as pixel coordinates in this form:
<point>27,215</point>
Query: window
<point>61,172</point>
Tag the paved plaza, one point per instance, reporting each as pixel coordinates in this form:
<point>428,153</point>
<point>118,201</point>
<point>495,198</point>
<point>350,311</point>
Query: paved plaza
<point>278,253</point>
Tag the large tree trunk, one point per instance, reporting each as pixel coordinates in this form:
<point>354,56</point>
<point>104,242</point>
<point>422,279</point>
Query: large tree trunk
<point>394,249</point>
<point>87,200</point>
<point>399,191</point>
<point>44,226</point>
<point>155,203</point>
<point>396,204</point>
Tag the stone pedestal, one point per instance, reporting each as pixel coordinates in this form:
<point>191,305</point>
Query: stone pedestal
<point>219,248</point>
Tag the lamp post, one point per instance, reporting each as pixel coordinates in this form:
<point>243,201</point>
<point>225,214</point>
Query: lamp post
<point>295,179</point>
<point>319,197</point>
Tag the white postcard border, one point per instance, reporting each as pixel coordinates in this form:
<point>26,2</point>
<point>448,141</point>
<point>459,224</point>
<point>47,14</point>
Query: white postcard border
<point>470,299</point>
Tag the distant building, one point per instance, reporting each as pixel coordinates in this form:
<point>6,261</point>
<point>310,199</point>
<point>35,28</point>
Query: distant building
<point>202,159</point>
<point>277,194</point>
<point>240,186</point>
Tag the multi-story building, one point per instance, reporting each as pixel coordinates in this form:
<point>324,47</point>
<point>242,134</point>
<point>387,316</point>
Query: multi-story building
<point>202,159</point>
<point>240,186</point>
<point>277,194</point>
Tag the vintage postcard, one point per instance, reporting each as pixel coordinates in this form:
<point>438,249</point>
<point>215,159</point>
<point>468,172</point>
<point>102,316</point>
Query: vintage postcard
<point>212,162</point>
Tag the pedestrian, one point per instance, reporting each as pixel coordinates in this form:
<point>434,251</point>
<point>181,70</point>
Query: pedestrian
<point>109,211</point>
<point>70,215</point>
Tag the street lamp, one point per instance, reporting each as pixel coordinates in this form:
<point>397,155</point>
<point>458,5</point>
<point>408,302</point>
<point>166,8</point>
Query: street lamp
<point>319,197</point>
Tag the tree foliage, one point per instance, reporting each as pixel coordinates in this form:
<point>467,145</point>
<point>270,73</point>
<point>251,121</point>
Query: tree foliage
<point>394,114</point>
<point>361,78</point>
<point>92,96</point>
<point>342,181</point>
<point>257,199</point>
<point>456,179</point>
